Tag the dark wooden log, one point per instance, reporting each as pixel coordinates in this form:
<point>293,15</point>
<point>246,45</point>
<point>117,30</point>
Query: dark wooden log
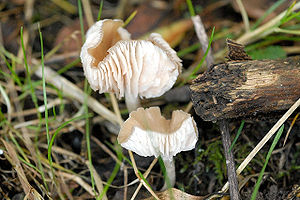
<point>246,88</point>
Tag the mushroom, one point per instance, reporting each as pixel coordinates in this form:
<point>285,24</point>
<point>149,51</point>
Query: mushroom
<point>131,68</point>
<point>147,133</point>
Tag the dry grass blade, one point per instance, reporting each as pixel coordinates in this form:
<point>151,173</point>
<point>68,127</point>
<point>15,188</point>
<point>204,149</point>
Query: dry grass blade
<point>107,150</point>
<point>258,33</point>
<point>62,151</point>
<point>22,125</point>
<point>15,162</point>
<point>288,132</point>
<point>245,180</point>
<point>98,180</point>
<point>78,180</point>
<point>7,102</point>
<point>65,188</point>
<point>88,12</point>
<point>145,175</point>
<point>137,175</point>
<point>41,108</point>
<point>116,108</point>
<point>263,141</point>
<point>188,107</point>
<point>244,15</point>
<point>65,5</point>
<point>71,90</point>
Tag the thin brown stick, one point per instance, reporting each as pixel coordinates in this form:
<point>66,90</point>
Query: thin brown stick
<point>232,178</point>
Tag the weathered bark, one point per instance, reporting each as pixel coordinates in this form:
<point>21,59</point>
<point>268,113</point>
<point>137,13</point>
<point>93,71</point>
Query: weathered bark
<point>246,88</point>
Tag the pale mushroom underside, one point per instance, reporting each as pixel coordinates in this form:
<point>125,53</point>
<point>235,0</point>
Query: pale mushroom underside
<point>145,68</point>
<point>147,133</point>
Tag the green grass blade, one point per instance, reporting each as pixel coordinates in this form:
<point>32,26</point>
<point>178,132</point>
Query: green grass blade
<point>28,77</point>
<point>24,52</point>
<point>166,178</point>
<point>11,56</point>
<point>100,10</point>
<point>3,120</point>
<point>29,164</point>
<point>267,13</point>
<point>54,113</point>
<point>295,32</point>
<point>292,16</point>
<point>14,76</point>
<point>287,14</point>
<point>57,131</point>
<point>44,92</point>
<point>81,20</point>
<point>131,16</point>
<point>203,58</point>
<point>191,7</point>
<point>19,148</point>
<point>68,66</point>
<point>118,150</point>
<point>62,104</point>
<point>44,86</point>
<point>164,171</point>
<point>87,91</point>
<point>35,101</point>
<point>110,180</point>
<point>257,185</point>
<point>237,135</point>
<point>188,50</point>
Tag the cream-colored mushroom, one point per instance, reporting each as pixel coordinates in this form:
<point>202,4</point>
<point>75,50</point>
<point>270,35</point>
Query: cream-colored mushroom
<point>147,133</point>
<point>131,68</point>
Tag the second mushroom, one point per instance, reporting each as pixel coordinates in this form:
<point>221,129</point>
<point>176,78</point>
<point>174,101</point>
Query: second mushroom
<point>147,133</point>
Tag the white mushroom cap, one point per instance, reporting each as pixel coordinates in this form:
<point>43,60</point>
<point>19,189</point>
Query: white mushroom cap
<point>147,133</point>
<point>113,63</point>
<point>96,45</point>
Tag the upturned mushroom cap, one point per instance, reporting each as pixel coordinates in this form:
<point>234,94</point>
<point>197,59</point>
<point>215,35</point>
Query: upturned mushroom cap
<point>113,63</point>
<point>147,133</point>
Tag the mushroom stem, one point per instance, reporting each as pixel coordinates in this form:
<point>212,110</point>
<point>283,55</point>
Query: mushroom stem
<point>132,102</point>
<point>170,172</point>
